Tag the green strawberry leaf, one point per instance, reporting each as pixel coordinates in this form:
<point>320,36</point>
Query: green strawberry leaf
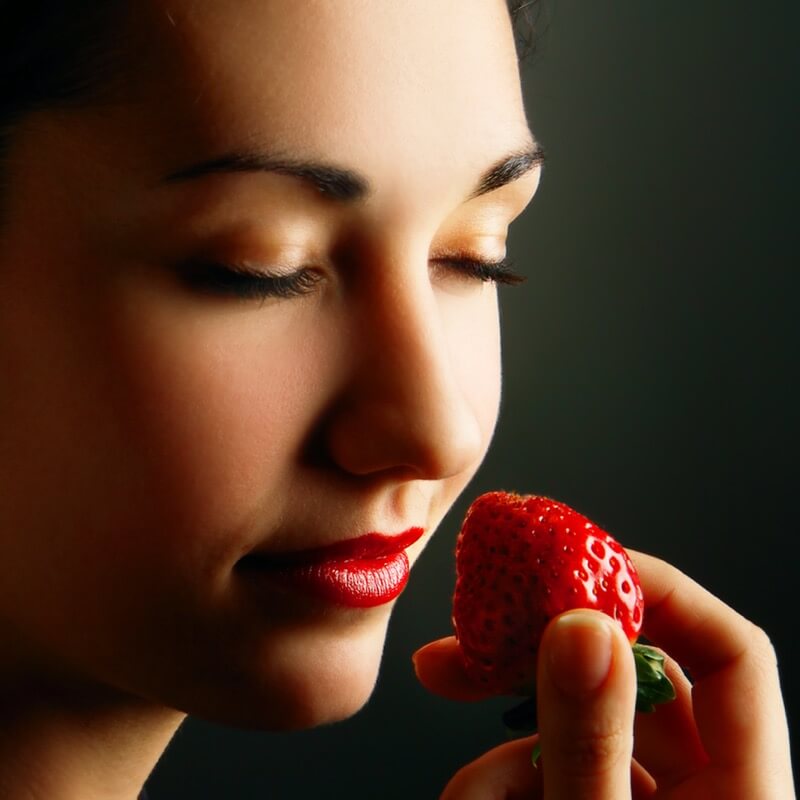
<point>653,685</point>
<point>536,751</point>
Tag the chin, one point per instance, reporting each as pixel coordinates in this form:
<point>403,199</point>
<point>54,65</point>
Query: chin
<point>295,681</point>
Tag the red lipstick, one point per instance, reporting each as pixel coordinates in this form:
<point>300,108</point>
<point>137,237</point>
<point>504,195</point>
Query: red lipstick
<point>359,573</point>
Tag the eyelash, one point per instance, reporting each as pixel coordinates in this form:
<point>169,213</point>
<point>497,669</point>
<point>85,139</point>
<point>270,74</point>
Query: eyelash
<point>231,280</point>
<point>501,272</point>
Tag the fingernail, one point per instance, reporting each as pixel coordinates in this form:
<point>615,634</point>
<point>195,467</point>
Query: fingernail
<point>580,653</point>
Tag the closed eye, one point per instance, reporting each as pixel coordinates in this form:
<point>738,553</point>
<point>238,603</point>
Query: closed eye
<point>244,283</point>
<point>501,272</point>
<point>240,282</point>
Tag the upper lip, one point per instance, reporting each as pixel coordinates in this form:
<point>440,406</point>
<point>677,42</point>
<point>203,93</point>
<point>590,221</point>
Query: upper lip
<point>368,546</point>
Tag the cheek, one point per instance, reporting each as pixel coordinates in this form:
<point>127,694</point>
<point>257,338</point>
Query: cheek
<point>474,341</point>
<point>218,409</point>
<point>473,334</point>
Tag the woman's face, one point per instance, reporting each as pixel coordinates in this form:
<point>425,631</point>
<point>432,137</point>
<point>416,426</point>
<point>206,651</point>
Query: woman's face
<point>166,416</point>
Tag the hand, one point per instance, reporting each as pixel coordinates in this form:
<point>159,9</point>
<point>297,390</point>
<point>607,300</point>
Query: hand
<point>725,736</point>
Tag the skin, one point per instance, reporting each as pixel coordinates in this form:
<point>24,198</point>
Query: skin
<point>155,433</point>
<point>158,433</point>
<point>725,736</point>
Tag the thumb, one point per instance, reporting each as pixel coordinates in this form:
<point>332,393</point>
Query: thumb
<point>586,689</point>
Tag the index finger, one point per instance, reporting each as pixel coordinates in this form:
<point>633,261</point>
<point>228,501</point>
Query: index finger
<point>691,624</point>
<point>736,697</point>
<point>440,669</point>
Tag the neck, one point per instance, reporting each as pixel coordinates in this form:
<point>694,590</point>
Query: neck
<point>95,744</point>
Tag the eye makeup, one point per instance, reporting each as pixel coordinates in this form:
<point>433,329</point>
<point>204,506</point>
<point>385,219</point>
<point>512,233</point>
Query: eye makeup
<point>236,281</point>
<point>241,282</point>
<point>500,272</point>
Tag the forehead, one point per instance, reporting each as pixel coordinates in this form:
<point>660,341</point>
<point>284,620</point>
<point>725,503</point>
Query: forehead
<point>430,82</point>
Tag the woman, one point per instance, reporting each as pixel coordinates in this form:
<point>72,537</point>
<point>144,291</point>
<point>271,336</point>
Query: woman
<point>248,326</point>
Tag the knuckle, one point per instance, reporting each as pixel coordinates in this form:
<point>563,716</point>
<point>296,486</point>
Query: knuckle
<point>458,786</point>
<point>487,777</point>
<point>762,647</point>
<point>589,755</point>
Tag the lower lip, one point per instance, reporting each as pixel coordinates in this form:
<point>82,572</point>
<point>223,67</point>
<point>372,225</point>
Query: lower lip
<point>356,583</point>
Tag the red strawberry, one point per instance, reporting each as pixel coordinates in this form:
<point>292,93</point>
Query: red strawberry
<point>522,560</point>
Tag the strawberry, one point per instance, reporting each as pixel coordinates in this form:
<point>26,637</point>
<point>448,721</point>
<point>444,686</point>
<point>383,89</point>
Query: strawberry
<point>522,560</point>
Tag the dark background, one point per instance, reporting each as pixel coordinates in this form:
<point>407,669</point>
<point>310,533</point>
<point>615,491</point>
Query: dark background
<point>650,366</point>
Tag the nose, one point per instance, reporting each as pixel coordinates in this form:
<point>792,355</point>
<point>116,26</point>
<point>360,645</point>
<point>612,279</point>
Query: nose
<point>412,404</point>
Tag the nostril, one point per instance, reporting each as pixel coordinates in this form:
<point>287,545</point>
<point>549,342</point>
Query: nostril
<point>375,439</point>
<point>421,399</point>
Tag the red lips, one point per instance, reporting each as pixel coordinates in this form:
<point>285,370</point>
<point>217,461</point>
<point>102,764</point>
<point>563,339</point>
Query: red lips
<point>358,573</point>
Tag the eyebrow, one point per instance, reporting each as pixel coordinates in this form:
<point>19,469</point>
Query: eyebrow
<point>347,185</point>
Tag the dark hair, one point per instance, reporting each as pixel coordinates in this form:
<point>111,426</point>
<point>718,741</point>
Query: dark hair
<point>525,16</point>
<point>52,54</point>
